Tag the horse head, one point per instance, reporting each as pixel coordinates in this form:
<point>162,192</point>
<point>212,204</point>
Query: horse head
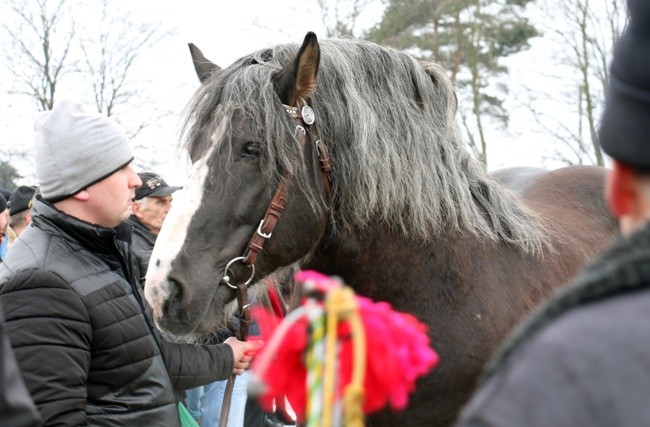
<point>253,147</point>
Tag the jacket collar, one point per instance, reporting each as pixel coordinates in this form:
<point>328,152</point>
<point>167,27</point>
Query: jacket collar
<point>623,267</point>
<point>141,230</point>
<point>92,236</point>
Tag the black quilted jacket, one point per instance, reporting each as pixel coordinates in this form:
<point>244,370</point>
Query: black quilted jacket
<point>76,321</point>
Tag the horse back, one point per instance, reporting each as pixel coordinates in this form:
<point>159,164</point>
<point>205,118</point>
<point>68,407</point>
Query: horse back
<point>570,201</point>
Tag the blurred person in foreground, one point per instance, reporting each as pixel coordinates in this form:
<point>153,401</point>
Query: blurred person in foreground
<point>70,290</point>
<point>583,358</point>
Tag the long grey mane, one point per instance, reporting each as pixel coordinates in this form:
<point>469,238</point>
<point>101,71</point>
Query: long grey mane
<point>389,122</point>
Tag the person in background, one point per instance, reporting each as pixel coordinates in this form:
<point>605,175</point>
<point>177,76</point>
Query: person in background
<point>20,208</point>
<point>582,359</point>
<point>69,287</point>
<point>153,199</point>
<point>4,226</point>
<point>5,193</point>
<point>16,406</point>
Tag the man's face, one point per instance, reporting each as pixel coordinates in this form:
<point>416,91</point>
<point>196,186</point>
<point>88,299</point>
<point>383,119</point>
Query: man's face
<point>110,199</point>
<point>151,211</point>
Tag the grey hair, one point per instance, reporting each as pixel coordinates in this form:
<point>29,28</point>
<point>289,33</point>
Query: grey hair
<point>389,123</point>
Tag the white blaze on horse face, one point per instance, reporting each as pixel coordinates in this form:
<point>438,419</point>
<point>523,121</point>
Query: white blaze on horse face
<point>172,235</point>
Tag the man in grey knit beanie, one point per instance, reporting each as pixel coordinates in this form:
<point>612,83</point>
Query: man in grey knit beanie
<point>87,349</point>
<point>75,149</point>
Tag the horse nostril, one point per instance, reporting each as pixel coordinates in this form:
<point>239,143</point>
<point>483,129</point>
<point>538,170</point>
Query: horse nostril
<point>175,318</point>
<point>175,296</point>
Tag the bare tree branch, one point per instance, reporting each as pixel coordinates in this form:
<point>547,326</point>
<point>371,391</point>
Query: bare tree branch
<point>585,31</point>
<point>110,56</point>
<point>43,37</point>
<point>341,17</point>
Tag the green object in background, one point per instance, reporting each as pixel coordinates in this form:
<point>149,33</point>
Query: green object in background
<point>187,420</point>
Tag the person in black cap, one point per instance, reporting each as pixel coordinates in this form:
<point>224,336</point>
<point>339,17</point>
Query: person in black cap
<point>153,199</point>
<point>582,359</point>
<point>20,208</point>
<point>6,194</point>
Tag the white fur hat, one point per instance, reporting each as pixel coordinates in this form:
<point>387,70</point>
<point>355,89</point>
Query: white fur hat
<point>75,149</point>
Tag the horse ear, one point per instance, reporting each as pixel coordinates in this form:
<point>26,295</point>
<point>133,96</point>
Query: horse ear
<point>298,78</point>
<point>441,80</point>
<point>203,66</point>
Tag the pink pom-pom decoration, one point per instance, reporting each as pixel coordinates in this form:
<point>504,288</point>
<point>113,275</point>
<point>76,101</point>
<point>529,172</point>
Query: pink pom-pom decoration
<point>398,352</point>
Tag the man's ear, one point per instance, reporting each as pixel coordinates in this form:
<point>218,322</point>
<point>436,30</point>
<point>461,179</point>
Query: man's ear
<point>135,208</point>
<point>622,190</point>
<point>83,195</point>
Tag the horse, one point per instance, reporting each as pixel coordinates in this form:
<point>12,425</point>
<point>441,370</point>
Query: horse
<point>345,156</point>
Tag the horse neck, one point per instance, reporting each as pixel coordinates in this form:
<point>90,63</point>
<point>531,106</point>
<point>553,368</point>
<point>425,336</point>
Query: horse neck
<point>366,261</point>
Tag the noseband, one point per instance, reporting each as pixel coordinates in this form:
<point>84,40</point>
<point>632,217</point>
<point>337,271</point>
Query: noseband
<point>305,119</point>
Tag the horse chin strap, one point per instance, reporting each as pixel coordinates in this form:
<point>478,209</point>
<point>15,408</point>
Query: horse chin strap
<point>305,118</point>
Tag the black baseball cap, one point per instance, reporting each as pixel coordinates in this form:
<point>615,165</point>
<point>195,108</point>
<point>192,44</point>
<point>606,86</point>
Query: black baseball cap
<point>153,186</point>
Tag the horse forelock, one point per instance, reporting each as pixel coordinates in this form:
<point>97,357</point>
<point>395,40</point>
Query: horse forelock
<point>388,121</point>
<point>245,91</point>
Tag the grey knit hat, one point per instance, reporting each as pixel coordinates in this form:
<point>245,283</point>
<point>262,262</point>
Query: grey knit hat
<point>75,149</point>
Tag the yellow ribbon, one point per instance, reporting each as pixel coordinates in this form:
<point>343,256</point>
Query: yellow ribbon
<point>340,304</point>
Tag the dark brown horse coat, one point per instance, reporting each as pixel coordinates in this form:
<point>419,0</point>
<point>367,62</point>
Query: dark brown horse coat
<point>411,218</point>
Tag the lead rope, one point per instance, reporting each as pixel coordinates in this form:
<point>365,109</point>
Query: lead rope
<point>244,321</point>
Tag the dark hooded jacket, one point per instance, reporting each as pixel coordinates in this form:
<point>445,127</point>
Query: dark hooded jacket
<point>76,321</point>
<point>582,359</point>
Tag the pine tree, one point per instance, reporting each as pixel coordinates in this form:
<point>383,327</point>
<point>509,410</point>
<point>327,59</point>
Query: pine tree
<point>468,38</point>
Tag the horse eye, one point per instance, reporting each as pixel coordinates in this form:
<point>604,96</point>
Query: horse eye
<point>251,149</point>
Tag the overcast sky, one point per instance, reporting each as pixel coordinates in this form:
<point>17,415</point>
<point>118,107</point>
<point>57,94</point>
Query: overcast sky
<point>226,30</point>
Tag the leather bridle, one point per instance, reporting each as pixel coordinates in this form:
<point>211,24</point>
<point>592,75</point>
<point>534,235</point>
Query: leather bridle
<point>305,120</point>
